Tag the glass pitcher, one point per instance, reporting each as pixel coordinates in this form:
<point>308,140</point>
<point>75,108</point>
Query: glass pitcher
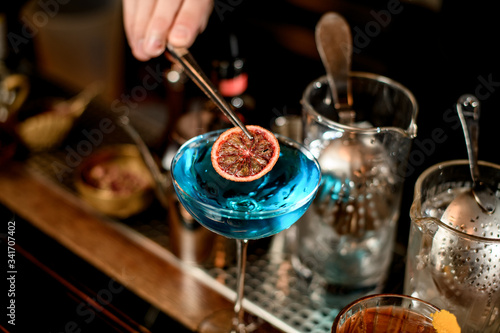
<point>345,240</point>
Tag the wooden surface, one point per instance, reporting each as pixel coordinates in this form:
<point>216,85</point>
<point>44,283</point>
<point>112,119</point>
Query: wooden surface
<point>148,270</point>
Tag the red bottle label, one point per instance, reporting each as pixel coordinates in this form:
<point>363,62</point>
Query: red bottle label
<point>234,86</point>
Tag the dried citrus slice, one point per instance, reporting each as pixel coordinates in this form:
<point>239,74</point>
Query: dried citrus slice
<point>237,158</point>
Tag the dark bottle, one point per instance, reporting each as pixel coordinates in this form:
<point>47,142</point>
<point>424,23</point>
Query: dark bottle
<point>229,74</point>
<point>198,114</point>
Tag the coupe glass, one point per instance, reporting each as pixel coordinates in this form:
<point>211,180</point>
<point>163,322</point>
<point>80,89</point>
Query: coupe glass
<point>243,211</point>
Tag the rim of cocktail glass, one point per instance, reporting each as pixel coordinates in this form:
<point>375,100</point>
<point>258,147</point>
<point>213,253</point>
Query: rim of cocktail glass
<point>368,297</point>
<point>410,131</point>
<point>239,214</point>
<point>416,208</point>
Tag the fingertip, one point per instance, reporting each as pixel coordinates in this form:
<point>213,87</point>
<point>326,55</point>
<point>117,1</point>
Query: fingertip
<point>155,45</point>
<point>180,36</point>
<point>138,50</point>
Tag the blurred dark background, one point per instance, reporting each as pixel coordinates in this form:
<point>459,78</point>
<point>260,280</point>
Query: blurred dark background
<point>438,49</point>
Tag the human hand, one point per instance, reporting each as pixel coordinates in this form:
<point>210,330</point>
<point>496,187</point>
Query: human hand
<point>151,24</point>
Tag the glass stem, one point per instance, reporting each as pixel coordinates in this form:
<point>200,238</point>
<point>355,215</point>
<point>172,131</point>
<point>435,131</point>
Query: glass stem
<point>238,323</point>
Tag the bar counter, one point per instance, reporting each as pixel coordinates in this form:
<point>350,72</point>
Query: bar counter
<point>143,267</point>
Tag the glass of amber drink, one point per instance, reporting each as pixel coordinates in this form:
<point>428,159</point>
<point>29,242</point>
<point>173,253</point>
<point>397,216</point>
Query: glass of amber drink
<point>386,313</point>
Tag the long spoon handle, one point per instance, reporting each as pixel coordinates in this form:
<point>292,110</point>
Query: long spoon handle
<point>184,57</point>
<point>161,181</point>
<point>468,112</point>
<point>334,42</point>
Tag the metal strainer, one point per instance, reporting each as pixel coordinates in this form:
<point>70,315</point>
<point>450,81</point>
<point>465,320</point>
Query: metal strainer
<point>465,254</point>
<point>474,209</point>
<point>469,264</point>
<point>446,266</point>
<point>354,195</point>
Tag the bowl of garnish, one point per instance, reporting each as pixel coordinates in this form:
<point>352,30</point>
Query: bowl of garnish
<point>115,181</point>
<point>45,124</point>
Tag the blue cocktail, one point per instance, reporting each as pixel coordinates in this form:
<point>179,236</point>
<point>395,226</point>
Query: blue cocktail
<point>244,211</point>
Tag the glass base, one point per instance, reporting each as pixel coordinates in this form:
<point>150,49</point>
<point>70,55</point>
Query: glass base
<point>223,321</point>
<point>333,295</point>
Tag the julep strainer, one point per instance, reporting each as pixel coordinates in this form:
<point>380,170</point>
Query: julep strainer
<point>447,266</point>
